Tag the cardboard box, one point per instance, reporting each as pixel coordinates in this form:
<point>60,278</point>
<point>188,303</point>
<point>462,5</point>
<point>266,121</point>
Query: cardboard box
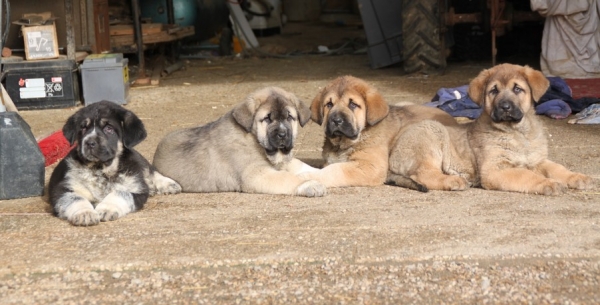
<point>40,42</point>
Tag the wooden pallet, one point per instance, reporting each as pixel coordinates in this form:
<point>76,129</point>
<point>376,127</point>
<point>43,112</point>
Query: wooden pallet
<point>167,33</point>
<point>127,29</point>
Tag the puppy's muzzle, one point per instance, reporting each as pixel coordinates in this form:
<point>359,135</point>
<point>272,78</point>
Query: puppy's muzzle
<point>94,150</point>
<point>280,139</point>
<point>506,111</point>
<point>338,126</point>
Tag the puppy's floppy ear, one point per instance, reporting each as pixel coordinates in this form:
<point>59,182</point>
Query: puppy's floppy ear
<point>134,131</point>
<point>537,81</point>
<point>377,108</point>
<point>477,87</point>
<point>71,127</point>
<point>244,113</point>
<point>316,108</point>
<point>304,113</point>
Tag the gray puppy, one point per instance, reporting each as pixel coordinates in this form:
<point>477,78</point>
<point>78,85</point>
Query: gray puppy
<point>249,149</point>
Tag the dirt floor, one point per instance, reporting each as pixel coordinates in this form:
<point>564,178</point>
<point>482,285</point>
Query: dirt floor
<point>354,246</point>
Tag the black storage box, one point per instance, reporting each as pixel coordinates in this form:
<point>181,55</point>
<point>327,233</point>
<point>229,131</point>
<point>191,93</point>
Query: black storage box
<point>22,168</point>
<point>383,25</point>
<point>42,84</point>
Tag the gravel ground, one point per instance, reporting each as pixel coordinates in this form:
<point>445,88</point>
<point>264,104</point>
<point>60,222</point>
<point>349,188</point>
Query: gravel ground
<point>548,280</point>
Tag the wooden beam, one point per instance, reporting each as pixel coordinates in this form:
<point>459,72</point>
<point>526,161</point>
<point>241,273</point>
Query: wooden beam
<point>127,29</point>
<point>70,31</point>
<point>163,36</point>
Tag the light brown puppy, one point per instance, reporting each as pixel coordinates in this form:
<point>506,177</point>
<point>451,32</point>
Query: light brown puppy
<point>436,156</point>
<point>361,132</point>
<point>509,141</point>
<point>504,149</point>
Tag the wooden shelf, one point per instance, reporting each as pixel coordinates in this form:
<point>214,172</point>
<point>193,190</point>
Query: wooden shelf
<point>123,39</point>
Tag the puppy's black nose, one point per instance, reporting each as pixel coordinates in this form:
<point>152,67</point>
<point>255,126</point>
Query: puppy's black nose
<point>281,134</point>
<point>91,144</point>
<point>505,105</point>
<point>337,120</point>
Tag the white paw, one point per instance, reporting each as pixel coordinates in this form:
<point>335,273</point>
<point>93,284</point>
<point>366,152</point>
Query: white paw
<point>84,217</point>
<point>311,188</point>
<point>108,212</point>
<point>77,211</point>
<point>115,205</point>
<point>165,185</point>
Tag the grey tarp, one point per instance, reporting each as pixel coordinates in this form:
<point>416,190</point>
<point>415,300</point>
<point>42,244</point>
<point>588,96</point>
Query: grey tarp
<point>571,39</point>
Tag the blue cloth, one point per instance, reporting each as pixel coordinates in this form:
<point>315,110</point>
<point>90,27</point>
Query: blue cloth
<point>556,109</point>
<point>560,85</point>
<point>456,102</point>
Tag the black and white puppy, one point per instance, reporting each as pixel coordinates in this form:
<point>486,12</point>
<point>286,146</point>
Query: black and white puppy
<point>103,178</point>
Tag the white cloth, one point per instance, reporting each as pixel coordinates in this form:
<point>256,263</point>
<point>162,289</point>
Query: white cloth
<point>571,38</point>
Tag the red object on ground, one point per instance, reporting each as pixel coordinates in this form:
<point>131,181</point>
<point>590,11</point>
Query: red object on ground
<point>54,147</point>
<point>584,87</point>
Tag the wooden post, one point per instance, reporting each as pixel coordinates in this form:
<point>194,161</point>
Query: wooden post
<point>70,32</point>
<point>135,5</point>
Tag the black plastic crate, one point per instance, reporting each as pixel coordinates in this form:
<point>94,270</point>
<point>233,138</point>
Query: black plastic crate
<point>42,84</point>
<point>22,168</point>
<point>382,21</point>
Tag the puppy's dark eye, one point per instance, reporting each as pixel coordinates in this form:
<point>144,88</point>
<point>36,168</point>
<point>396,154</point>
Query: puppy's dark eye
<point>108,129</point>
<point>329,105</point>
<point>267,119</point>
<point>494,91</point>
<point>290,117</point>
<point>352,105</point>
<point>517,89</point>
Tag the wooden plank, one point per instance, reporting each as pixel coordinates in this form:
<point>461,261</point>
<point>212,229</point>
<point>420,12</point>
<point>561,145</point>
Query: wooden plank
<point>163,36</point>
<point>70,30</point>
<point>127,29</point>
<point>242,24</point>
<point>80,56</point>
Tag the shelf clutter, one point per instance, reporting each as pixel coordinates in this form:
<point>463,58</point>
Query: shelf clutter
<point>122,38</point>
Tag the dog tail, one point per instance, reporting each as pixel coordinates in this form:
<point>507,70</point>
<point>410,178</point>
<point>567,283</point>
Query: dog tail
<point>406,182</point>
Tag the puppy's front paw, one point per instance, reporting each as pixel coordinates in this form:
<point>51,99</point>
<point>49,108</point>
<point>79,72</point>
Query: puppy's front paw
<point>107,212</point>
<point>580,182</point>
<point>84,217</point>
<point>115,205</point>
<point>455,183</point>
<point>551,187</point>
<point>311,188</point>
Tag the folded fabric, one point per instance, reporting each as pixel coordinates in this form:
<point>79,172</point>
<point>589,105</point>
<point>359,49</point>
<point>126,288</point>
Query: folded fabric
<point>456,102</point>
<point>560,85</point>
<point>556,109</point>
<point>449,94</point>
<point>589,115</point>
<point>559,89</point>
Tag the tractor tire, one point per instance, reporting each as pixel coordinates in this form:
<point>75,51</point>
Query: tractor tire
<point>422,45</point>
